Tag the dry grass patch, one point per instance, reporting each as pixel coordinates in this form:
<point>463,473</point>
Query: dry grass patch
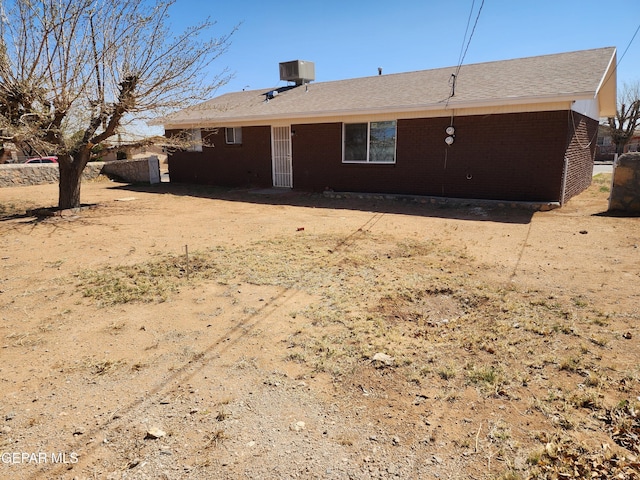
<point>147,282</point>
<point>25,339</point>
<point>431,310</point>
<point>105,366</point>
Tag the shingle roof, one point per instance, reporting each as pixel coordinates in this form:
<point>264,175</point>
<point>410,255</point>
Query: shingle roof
<point>565,76</point>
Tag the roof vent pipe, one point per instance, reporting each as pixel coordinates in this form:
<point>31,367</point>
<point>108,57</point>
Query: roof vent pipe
<point>379,70</point>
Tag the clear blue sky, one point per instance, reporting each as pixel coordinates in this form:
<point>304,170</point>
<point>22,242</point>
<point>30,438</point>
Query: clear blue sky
<point>347,39</point>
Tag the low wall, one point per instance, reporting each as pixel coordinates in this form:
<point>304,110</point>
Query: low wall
<point>625,188</point>
<point>133,171</point>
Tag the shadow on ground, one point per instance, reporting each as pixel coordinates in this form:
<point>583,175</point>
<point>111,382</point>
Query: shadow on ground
<point>475,210</point>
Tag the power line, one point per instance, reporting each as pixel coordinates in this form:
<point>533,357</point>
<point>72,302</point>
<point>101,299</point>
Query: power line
<point>464,39</point>
<point>463,49</point>
<point>630,42</point>
<point>470,36</point>
<point>615,69</point>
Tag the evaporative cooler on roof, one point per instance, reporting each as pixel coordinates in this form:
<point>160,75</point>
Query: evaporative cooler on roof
<point>298,71</point>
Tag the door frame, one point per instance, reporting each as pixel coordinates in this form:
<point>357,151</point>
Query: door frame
<point>281,160</point>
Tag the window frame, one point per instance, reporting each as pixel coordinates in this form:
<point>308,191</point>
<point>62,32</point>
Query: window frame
<point>367,160</point>
<point>236,133</point>
<point>195,139</point>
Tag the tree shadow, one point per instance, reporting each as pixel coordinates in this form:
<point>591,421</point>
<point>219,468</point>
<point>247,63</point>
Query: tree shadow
<point>38,215</point>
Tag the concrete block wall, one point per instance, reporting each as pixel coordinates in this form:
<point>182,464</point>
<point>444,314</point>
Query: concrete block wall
<point>132,171</point>
<point>625,188</point>
<point>15,175</point>
<point>21,175</point>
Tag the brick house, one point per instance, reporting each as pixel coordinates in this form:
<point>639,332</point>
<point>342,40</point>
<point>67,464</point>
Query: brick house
<point>606,149</point>
<point>515,130</point>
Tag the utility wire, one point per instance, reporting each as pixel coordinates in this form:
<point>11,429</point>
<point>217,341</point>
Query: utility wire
<point>463,49</point>
<point>630,42</point>
<point>466,30</point>
<point>470,36</point>
<point>615,69</point>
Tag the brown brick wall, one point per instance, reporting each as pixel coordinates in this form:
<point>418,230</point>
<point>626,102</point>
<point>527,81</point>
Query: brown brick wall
<point>580,154</point>
<point>504,157</point>
<point>248,164</point>
<point>508,157</point>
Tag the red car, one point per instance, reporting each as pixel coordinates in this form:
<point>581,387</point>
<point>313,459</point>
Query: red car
<point>43,160</point>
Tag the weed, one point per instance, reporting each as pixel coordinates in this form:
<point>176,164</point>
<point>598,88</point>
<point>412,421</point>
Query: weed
<point>570,364</point>
<point>535,456</point>
<point>105,366</point>
<point>346,440</point>
<point>24,339</point>
<point>484,374</point>
<point>215,438</point>
<point>56,264</point>
<point>297,357</point>
<point>499,432</point>
<point>585,399</point>
<point>580,302</point>
<point>244,363</point>
<point>116,327</point>
<point>446,372</point>
<point>599,341</point>
<point>222,415</point>
<point>594,380</point>
<point>136,367</point>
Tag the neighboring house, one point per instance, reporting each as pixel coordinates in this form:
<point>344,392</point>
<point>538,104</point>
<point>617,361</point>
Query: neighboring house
<point>132,152</point>
<point>520,130</point>
<point>606,149</point>
<point>634,143</point>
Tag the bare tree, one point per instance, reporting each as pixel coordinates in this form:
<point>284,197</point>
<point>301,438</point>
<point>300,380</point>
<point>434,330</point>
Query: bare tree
<point>627,119</point>
<point>73,73</point>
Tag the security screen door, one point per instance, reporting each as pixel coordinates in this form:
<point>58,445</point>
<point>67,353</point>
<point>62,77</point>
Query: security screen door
<point>281,156</point>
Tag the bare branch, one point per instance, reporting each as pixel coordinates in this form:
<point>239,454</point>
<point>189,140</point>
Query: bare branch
<point>627,118</point>
<point>73,72</point>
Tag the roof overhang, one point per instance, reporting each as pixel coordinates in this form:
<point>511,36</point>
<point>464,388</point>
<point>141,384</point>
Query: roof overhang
<point>607,92</point>
<point>478,107</point>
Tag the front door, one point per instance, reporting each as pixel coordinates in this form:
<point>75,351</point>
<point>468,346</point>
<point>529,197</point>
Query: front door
<point>281,156</point>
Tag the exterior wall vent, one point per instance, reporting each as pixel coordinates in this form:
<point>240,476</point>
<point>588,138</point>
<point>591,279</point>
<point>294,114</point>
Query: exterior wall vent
<point>298,71</point>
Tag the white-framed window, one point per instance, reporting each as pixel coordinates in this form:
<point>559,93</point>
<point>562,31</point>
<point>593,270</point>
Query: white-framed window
<point>194,139</point>
<point>233,135</point>
<point>369,142</point>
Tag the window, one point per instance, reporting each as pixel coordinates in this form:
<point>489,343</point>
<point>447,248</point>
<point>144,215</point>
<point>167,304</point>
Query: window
<point>194,140</point>
<point>373,142</point>
<point>233,135</point>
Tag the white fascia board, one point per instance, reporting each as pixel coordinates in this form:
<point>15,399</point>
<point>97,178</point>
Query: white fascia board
<point>588,108</point>
<point>607,90</point>
<point>399,111</point>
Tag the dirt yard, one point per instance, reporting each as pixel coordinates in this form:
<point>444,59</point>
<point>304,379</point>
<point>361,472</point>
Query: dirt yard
<point>169,332</point>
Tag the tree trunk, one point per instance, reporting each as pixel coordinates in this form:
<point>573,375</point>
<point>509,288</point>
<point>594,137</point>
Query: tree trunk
<point>70,180</point>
